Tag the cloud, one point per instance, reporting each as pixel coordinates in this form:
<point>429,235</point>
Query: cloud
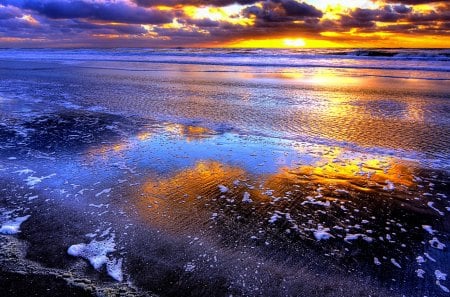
<point>218,3</point>
<point>202,23</point>
<point>142,23</point>
<point>299,9</point>
<point>101,11</point>
<point>359,18</point>
<point>391,15</point>
<point>9,13</point>
<point>282,11</point>
<point>402,9</point>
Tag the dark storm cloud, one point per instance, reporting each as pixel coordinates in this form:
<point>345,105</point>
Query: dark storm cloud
<point>297,9</point>
<point>202,23</point>
<point>59,29</point>
<point>282,11</point>
<point>359,18</point>
<point>402,9</point>
<point>105,11</point>
<point>218,3</point>
<point>441,14</point>
<point>129,29</point>
<point>363,18</point>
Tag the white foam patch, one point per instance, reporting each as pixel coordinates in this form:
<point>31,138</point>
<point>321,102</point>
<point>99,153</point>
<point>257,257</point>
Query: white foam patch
<point>440,275</point>
<point>389,186</point>
<point>437,244</point>
<point>274,218</point>
<point>99,205</point>
<point>105,191</point>
<point>395,263</point>
<point>246,198</point>
<point>223,189</point>
<point>420,272</point>
<point>33,197</point>
<point>351,237</point>
<point>96,253</point>
<point>34,180</point>
<point>429,257</point>
<point>189,267</point>
<point>431,205</point>
<point>420,259</point>
<point>429,229</point>
<point>114,269</point>
<point>24,171</point>
<point>443,288</point>
<point>12,227</point>
<point>311,200</point>
<point>322,233</point>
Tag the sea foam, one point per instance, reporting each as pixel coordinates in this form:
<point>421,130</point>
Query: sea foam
<point>96,252</point>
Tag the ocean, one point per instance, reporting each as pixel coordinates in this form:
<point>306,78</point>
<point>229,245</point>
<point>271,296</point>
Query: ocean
<point>210,172</point>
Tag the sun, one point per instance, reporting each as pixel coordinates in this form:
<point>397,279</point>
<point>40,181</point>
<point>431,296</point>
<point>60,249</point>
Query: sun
<point>271,43</point>
<point>298,42</point>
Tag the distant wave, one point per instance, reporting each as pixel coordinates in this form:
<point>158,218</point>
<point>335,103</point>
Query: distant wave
<point>427,68</point>
<point>400,54</point>
<point>433,60</point>
<point>437,55</point>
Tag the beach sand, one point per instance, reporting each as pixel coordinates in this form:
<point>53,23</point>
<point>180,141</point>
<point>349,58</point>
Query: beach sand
<point>116,182</point>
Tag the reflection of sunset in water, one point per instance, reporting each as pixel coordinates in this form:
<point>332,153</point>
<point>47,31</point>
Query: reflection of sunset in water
<point>349,206</point>
<point>107,151</point>
<point>191,195</point>
<point>185,132</point>
<point>323,77</point>
<point>178,198</point>
<point>389,115</point>
<point>143,136</point>
<point>189,132</point>
<point>364,174</point>
<point>231,189</point>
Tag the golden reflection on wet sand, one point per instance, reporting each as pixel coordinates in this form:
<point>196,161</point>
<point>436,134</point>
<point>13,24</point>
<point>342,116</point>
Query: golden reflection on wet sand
<point>190,196</point>
<point>364,174</point>
<point>351,208</point>
<point>179,196</point>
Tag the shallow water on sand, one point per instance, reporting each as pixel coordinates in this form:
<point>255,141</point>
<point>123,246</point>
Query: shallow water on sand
<point>215,180</point>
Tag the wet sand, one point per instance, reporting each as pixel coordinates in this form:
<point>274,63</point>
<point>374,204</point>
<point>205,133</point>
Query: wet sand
<point>207,196</point>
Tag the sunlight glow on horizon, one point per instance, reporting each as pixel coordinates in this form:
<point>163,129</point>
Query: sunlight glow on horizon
<point>294,42</point>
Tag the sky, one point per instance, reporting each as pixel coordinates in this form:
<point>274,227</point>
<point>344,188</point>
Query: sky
<point>225,23</point>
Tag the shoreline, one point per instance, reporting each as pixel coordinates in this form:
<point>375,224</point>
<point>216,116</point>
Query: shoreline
<point>160,183</point>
